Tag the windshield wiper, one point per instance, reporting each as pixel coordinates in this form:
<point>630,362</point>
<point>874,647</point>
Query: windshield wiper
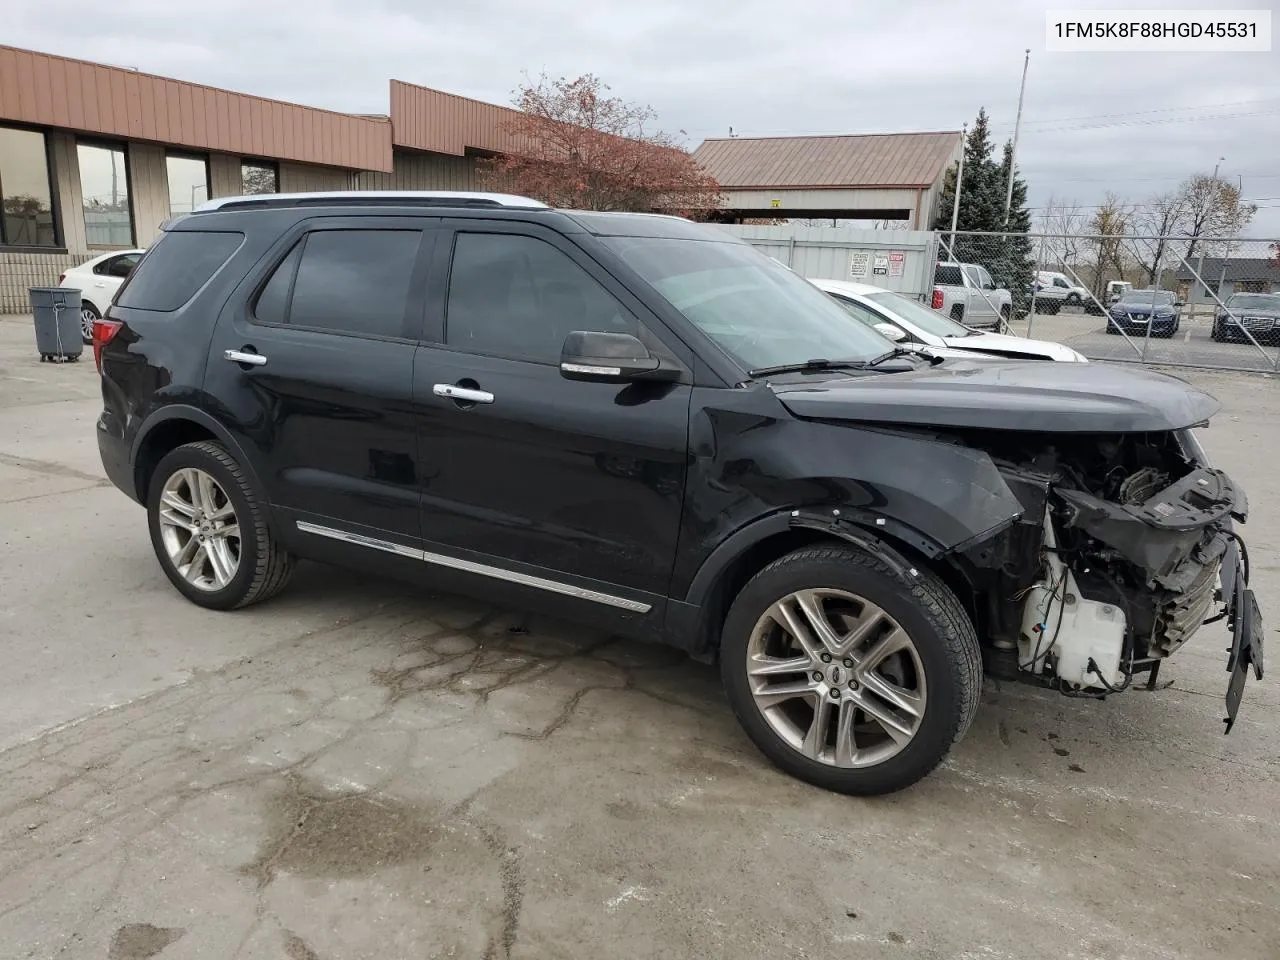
<point>896,352</point>
<point>817,364</point>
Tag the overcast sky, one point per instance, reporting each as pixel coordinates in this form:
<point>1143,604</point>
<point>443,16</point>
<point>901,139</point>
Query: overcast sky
<point>1133,123</point>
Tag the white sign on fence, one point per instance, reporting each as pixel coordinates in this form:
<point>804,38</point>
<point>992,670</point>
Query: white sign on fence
<point>897,259</point>
<point>859,261</point>
<point>882,266</point>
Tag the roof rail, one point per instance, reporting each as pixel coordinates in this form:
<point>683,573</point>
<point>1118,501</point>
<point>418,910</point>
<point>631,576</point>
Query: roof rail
<point>435,198</point>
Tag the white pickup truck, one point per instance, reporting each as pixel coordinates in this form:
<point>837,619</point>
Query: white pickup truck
<point>966,293</point>
<point>1055,290</point>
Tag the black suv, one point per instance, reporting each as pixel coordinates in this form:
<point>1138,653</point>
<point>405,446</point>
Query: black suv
<point>644,423</point>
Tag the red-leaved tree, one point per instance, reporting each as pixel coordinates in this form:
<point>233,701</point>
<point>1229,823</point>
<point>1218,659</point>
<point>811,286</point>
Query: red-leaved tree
<point>579,148</point>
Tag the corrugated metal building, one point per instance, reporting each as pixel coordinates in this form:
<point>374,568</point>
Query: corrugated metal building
<point>892,176</point>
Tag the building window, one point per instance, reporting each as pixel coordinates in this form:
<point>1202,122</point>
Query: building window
<point>104,189</point>
<point>258,176</point>
<point>25,188</point>
<point>188,181</point>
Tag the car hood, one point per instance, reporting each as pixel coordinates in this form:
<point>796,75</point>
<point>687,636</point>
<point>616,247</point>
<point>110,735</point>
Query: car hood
<point>1141,309</point>
<point>1006,395</point>
<point>1005,345</point>
<point>1270,312</point>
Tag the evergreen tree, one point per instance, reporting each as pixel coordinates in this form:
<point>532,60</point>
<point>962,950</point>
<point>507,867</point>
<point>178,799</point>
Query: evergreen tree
<point>1014,266</point>
<point>982,193</point>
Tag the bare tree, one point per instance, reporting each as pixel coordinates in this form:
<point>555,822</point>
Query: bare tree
<point>1063,222</point>
<point>1163,217</point>
<point>1109,224</point>
<point>1213,211</point>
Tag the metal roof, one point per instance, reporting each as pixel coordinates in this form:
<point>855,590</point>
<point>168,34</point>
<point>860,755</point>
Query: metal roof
<point>878,160</point>
<point>46,90</point>
<point>1237,268</point>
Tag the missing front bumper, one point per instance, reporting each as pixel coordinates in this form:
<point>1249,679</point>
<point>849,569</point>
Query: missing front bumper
<point>1245,621</point>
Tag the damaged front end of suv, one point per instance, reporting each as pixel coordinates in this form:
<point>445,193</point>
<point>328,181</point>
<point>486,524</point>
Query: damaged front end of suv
<point>1125,547</point>
<point>1100,538</point>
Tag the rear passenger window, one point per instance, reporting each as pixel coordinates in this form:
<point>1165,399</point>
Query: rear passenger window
<point>348,281</point>
<point>176,266</point>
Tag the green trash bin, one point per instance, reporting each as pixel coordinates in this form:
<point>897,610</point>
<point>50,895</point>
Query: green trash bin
<point>57,318</point>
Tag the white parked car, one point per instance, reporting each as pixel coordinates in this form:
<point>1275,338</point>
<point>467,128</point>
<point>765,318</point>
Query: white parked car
<point>98,280</point>
<point>912,325</point>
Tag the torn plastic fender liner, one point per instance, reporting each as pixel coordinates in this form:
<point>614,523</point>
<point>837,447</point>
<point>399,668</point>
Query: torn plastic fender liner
<point>1161,532</point>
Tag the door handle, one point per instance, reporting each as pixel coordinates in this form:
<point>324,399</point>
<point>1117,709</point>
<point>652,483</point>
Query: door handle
<point>464,394</point>
<point>240,356</point>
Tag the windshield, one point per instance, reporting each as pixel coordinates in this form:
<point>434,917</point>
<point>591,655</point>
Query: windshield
<point>919,315</point>
<point>1254,301</point>
<point>754,308</point>
<point>1163,298</point>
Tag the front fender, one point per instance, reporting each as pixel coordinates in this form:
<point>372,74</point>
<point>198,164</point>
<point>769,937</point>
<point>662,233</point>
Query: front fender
<point>753,477</point>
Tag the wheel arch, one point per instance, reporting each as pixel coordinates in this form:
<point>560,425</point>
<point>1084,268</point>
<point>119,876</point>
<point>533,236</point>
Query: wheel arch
<point>749,550</point>
<point>169,428</point>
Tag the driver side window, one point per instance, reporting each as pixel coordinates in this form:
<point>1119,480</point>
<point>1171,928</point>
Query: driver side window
<point>518,297</point>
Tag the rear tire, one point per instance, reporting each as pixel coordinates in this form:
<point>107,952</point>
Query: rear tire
<point>936,680</point>
<point>197,495</point>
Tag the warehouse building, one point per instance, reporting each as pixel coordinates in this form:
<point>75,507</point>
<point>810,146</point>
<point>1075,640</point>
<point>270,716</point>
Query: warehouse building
<point>95,158</point>
<point>891,176</point>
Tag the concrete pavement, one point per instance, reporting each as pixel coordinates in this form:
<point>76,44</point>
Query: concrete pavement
<point>361,769</point>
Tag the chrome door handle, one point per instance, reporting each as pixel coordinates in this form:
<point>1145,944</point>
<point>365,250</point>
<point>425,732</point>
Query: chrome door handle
<point>239,356</point>
<point>462,393</point>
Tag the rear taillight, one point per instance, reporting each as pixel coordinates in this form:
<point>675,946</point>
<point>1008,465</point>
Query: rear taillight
<point>61,277</point>
<point>936,302</point>
<point>104,331</point>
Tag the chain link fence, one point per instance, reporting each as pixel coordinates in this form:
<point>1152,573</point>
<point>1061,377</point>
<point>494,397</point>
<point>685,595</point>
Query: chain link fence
<point>1171,301</point>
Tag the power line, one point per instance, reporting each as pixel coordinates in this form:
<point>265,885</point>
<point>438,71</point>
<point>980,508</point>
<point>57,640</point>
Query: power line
<point>1119,117</point>
<point>1139,113</point>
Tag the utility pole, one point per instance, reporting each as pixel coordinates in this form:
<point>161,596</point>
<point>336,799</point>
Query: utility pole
<point>1204,287</point>
<point>1017,128</point>
<point>955,206</point>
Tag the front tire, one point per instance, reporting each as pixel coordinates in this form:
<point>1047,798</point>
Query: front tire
<point>209,530</point>
<point>846,675</point>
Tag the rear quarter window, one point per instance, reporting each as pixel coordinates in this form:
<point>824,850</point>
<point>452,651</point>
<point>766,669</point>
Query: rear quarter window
<point>175,268</point>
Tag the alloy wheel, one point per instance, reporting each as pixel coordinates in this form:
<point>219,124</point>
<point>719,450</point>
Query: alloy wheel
<point>199,529</point>
<point>87,318</point>
<point>836,678</point>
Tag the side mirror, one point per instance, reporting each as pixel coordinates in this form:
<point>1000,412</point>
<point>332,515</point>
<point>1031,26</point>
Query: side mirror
<point>1179,303</point>
<point>889,331</point>
<point>610,358</point>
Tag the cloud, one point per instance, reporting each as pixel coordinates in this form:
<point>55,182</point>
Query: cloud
<point>1092,122</point>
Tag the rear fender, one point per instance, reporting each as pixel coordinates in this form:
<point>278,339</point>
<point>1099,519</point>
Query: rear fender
<point>181,411</point>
